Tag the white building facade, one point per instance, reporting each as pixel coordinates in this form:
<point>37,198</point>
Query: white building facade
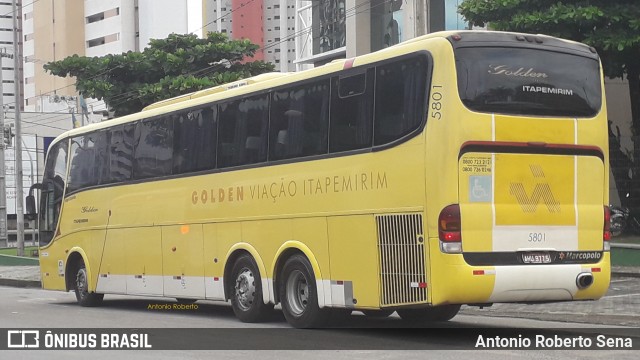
<point>105,26</point>
<point>6,46</point>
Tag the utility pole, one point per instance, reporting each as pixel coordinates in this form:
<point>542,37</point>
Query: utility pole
<point>18,103</point>
<point>422,17</point>
<point>3,174</point>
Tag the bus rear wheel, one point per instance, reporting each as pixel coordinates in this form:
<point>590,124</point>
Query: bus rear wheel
<point>299,295</point>
<point>83,296</point>
<point>429,314</point>
<point>246,294</point>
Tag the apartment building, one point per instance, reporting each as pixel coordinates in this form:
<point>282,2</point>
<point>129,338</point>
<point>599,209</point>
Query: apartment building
<point>54,30</point>
<point>270,24</point>
<point>6,46</point>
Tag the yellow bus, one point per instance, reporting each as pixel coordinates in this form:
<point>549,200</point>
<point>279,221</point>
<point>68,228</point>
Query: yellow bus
<point>455,168</point>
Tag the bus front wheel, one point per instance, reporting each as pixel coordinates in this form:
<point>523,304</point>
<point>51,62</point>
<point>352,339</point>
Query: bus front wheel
<point>299,295</point>
<point>83,296</point>
<point>246,294</point>
<point>429,314</point>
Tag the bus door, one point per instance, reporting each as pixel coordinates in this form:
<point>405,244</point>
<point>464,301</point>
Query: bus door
<point>183,261</point>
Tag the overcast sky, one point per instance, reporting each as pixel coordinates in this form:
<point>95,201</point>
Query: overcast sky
<point>194,20</point>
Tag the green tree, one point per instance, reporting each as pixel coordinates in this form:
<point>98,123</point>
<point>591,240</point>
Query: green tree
<point>612,27</point>
<point>168,67</point>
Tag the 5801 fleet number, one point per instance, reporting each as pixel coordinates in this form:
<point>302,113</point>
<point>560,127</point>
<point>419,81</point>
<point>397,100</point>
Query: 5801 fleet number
<point>537,237</point>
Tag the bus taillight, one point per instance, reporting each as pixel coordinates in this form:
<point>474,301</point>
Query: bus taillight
<point>606,233</point>
<point>450,229</point>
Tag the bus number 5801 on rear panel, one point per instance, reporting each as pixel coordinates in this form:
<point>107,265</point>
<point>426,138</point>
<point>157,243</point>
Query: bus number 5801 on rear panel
<point>436,104</point>
<point>537,237</point>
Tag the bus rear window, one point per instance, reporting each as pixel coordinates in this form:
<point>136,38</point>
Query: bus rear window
<point>528,82</point>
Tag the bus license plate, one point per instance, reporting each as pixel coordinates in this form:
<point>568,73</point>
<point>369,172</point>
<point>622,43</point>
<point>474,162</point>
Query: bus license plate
<point>536,258</point>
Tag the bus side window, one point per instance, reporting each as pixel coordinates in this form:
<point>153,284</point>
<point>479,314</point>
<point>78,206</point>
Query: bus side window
<point>87,160</point>
<point>255,111</point>
<point>121,147</point>
<point>194,140</point>
<point>400,98</point>
<point>154,148</point>
<point>102,157</point>
<point>278,129</point>
<point>299,120</point>
<point>242,134</point>
<point>228,153</point>
<point>351,112</point>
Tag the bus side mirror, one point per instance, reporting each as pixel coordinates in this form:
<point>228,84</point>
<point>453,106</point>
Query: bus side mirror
<point>31,199</point>
<point>31,204</point>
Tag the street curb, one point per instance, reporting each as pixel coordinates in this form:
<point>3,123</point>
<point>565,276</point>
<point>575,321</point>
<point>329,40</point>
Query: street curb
<point>10,260</point>
<point>625,274</point>
<point>20,283</point>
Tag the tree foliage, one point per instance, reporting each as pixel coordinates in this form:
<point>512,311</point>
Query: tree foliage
<point>168,67</point>
<point>612,27</point>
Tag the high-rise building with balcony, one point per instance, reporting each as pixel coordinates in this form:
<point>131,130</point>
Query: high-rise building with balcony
<point>270,24</point>
<point>54,30</point>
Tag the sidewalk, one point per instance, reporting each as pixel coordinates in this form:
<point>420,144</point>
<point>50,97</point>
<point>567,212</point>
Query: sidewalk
<point>625,271</point>
<point>20,276</point>
<point>619,307</point>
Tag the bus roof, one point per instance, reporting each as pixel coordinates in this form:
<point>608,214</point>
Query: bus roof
<point>266,80</point>
<point>216,89</point>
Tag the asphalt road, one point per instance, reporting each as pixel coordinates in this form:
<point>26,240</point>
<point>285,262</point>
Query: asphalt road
<point>619,307</point>
<point>361,337</point>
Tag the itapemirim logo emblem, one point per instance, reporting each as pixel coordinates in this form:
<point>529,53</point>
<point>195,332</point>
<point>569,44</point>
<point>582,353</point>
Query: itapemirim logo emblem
<point>542,191</point>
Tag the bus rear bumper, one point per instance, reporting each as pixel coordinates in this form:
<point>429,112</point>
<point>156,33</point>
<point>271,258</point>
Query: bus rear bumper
<point>455,282</point>
<point>533,283</point>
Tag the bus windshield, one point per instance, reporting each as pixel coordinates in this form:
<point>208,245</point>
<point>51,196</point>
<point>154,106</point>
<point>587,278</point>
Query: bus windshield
<point>524,81</point>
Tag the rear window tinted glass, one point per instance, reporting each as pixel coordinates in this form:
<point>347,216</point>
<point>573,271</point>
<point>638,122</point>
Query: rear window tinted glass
<point>528,82</point>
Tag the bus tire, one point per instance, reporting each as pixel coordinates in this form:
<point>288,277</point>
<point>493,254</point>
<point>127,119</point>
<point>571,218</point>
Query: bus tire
<point>246,291</point>
<point>429,314</point>
<point>382,313</point>
<point>299,295</point>
<point>81,288</point>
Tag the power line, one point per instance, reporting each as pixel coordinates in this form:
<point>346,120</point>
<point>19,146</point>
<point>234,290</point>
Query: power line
<point>204,71</point>
<point>122,65</point>
<point>222,16</point>
<point>20,7</point>
<point>351,12</point>
<point>219,18</point>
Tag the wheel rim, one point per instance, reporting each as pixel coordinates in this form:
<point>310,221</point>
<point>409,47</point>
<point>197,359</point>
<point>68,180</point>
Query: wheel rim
<point>297,292</point>
<point>245,289</point>
<point>81,282</point>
